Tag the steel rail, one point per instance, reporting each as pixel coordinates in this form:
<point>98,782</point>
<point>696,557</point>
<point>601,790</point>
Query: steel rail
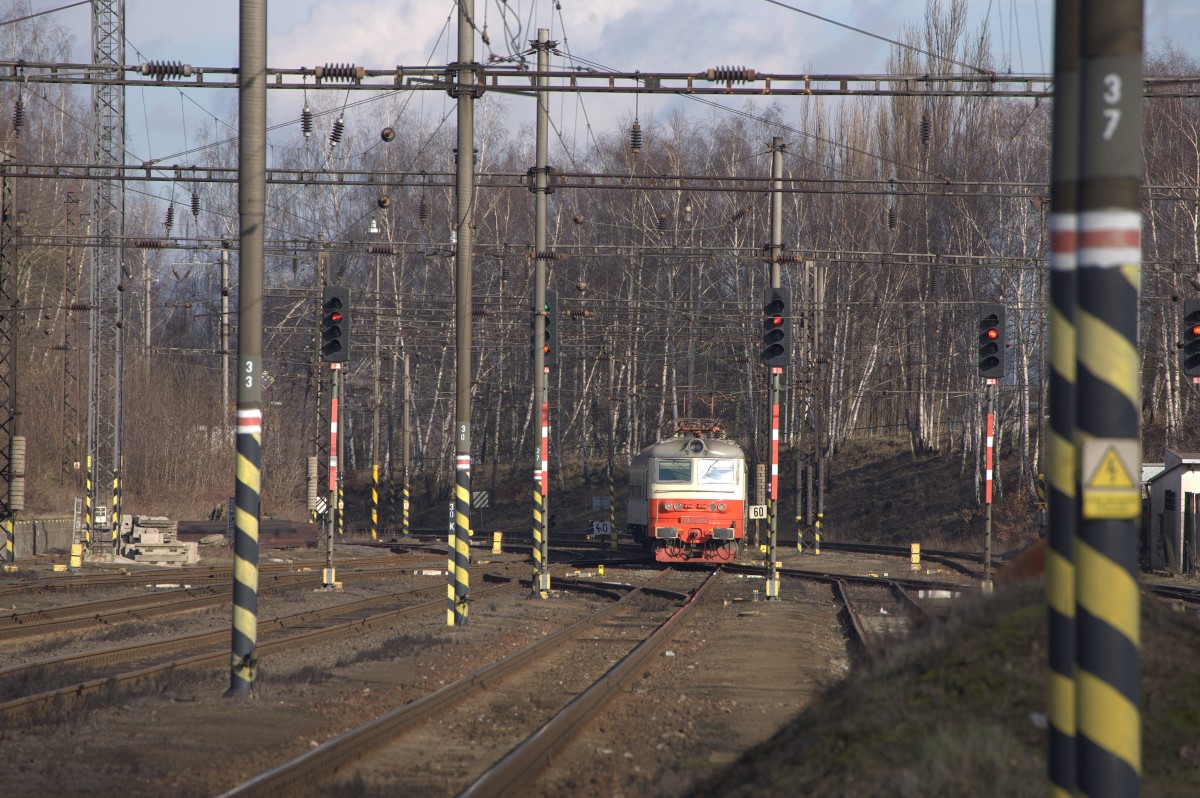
<point>859,639</point>
<point>521,765</point>
<point>167,602</point>
<point>327,757</point>
<point>142,651</point>
<point>865,641</point>
<point>948,558</point>
<point>1174,592</point>
<point>206,573</point>
<point>104,683</point>
<point>916,612</point>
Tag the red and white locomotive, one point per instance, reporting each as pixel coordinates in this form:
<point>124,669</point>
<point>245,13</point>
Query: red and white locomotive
<point>687,494</point>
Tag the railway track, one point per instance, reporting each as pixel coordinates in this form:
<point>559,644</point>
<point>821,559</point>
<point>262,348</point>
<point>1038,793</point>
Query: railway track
<point>619,630</point>
<point>475,735</point>
<point>878,613</point>
<point>137,577</point>
<point>169,601</point>
<point>86,674</point>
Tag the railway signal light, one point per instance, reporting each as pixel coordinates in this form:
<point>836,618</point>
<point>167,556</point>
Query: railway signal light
<point>550,341</point>
<point>1189,356</point>
<point>991,340</point>
<point>335,324</point>
<point>777,328</point>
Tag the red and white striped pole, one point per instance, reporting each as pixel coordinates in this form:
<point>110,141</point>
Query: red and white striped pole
<point>990,436</point>
<point>329,579</point>
<point>545,476</point>
<point>545,470</point>
<point>772,503</point>
<point>333,442</point>
<point>775,449</point>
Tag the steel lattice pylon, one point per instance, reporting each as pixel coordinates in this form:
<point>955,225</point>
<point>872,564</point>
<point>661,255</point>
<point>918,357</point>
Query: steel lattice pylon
<point>8,327</point>
<point>105,338</point>
<point>71,402</point>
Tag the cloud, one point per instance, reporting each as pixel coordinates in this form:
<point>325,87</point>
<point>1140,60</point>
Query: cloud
<point>372,34</point>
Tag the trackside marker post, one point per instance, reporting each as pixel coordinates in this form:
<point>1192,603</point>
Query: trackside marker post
<point>1060,450</point>
<point>333,510</point>
<point>1108,733</point>
<point>252,194</point>
<point>990,437</point>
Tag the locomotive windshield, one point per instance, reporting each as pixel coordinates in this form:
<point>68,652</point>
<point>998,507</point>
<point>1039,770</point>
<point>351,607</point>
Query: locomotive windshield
<point>717,472</point>
<point>709,471</point>
<point>674,471</point>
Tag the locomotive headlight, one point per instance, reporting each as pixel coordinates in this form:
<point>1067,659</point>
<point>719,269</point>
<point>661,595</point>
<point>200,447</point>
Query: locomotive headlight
<point>712,508</point>
<point>678,506</point>
<point>721,507</point>
<point>666,508</point>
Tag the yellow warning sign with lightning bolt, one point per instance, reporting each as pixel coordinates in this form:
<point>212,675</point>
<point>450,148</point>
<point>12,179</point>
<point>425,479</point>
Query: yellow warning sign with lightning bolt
<point>1109,489</point>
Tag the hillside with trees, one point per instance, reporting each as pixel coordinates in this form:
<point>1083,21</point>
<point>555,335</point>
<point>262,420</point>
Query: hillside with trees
<point>900,215</point>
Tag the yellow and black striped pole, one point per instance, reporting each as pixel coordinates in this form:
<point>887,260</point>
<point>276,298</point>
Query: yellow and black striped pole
<point>612,495</point>
<point>464,188</point>
<point>89,499</point>
<point>375,501</point>
<point>544,324</point>
<point>539,523</point>
<point>612,507</point>
<point>245,553</point>
<point>1061,452</point>
<point>341,511</point>
<point>252,167</point>
<point>391,497</point>
<point>115,517</point>
<point>462,538</point>
<point>1108,404</point>
<point>404,508</point>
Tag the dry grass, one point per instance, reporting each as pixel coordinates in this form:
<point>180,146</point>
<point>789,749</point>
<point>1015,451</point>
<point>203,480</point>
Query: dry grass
<point>951,714</point>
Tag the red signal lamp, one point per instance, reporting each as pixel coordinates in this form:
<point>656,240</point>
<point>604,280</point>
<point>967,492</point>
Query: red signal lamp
<point>993,333</point>
<point>335,315</point>
<point>1196,329</point>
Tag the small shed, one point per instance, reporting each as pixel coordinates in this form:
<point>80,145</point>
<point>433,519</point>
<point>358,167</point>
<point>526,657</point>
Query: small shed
<point>1173,509</point>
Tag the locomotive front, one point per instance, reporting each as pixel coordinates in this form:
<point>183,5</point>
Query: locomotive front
<point>687,498</point>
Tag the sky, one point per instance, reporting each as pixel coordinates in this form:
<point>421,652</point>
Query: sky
<point>625,35</point>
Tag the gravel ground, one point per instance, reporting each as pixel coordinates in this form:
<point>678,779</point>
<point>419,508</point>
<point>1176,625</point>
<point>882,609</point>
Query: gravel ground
<point>738,672</point>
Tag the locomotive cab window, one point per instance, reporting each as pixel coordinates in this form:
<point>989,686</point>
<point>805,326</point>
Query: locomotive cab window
<point>674,471</point>
<point>717,472</point>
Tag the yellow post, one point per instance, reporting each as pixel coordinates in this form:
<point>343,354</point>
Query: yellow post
<point>915,548</point>
<point>76,556</point>
<point>497,539</point>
